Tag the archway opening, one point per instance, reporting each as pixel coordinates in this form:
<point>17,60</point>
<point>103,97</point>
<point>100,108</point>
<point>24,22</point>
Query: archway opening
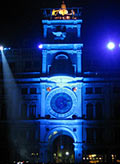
<point>62,64</point>
<point>63,149</point>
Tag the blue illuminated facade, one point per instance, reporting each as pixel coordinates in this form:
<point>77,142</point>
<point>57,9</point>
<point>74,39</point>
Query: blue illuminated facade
<point>61,70</point>
<point>60,113</point>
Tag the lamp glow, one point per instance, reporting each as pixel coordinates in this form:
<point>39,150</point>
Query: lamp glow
<point>40,46</point>
<point>67,153</point>
<point>111,45</point>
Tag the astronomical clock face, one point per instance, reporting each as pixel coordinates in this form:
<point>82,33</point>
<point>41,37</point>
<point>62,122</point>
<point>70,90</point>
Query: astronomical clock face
<point>61,102</point>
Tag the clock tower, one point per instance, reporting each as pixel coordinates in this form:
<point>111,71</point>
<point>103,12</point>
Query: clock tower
<point>61,86</point>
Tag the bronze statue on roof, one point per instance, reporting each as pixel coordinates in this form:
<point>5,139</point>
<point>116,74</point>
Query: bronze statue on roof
<point>62,13</point>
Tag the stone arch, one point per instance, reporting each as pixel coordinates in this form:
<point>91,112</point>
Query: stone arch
<point>55,132</point>
<point>61,56</point>
<point>61,59</point>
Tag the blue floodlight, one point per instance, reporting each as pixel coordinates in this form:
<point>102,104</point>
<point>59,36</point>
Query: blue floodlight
<point>1,48</point>
<point>111,45</point>
<point>40,46</point>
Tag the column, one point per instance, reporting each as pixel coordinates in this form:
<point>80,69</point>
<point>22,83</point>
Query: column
<point>78,152</point>
<point>78,30</point>
<point>80,100</point>
<point>45,31</point>
<point>44,60</point>
<point>79,65</point>
<point>43,91</point>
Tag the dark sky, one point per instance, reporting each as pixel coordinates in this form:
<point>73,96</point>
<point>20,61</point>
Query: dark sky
<point>21,20</point>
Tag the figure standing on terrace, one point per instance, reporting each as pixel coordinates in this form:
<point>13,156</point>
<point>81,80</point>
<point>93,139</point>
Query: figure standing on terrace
<point>62,13</point>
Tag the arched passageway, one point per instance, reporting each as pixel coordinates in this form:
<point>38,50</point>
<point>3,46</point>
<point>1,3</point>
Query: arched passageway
<point>63,149</point>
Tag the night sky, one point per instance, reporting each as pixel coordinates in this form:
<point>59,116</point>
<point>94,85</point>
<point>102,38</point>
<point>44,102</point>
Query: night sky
<point>21,21</point>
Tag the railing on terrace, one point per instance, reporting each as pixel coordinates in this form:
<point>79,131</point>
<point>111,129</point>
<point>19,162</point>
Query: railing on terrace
<point>72,13</point>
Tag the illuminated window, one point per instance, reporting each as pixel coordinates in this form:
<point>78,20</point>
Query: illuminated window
<point>24,91</point>
<point>89,90</point>
<point>33,90</point>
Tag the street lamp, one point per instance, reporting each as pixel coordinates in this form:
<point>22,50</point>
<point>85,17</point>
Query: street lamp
<point>111,45</point>
<point>40,46</point>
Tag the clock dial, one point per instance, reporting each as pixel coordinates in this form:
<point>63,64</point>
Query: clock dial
<point>61,103</point>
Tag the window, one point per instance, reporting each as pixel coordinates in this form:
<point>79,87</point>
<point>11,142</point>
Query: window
<point>1,66</point>
<point>3,112</point>
<point>89,111</point>
<point>24,91</point>
<point>37,134</point>
<point>99,110</point>
<point>117,135</point>
<point>24,111</point>
<point>12,66</point>
<point>89,90</point>
<point>28,66</point>
<point>99,135</point>
<point>98,90</point>
<point>2,91</point>
<point>32,134</point>
<point>117,110</point>
<point>90,135</point>
<point>116,90</point>
<point>32,111</point>
<point>36,64</point>
<point>33,90</point>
